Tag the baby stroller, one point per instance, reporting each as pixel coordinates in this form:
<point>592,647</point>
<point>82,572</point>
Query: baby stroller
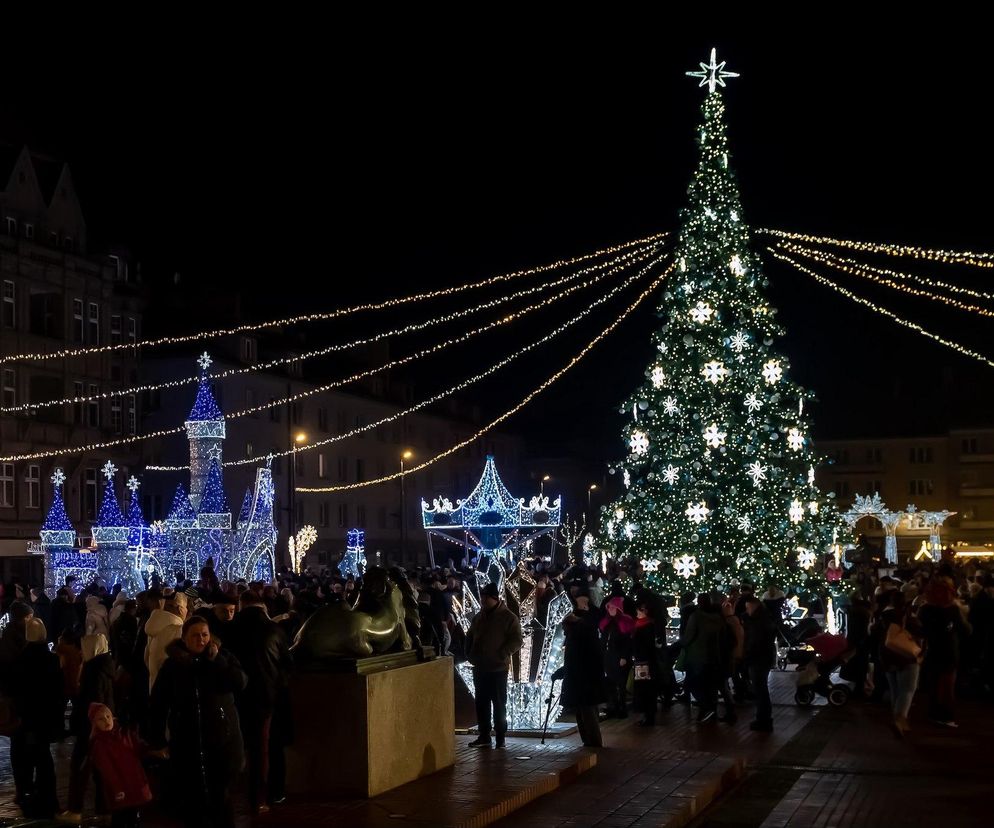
<point>821,656</point>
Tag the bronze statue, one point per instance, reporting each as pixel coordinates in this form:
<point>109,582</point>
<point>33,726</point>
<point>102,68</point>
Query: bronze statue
<point>379,623</point>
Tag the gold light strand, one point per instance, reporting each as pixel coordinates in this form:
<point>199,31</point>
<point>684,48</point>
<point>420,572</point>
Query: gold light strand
<point>883,311</point>
<point>858,269</point>
<point>507,414</point>
<point>442,394</point>
<point>882,271</point>
<point>275,363</point>
<point>325,316</point>
<point>165,432</point>
<point>944,256</point>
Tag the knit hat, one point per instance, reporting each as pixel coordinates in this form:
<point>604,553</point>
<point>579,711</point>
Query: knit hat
<point>34,630</point>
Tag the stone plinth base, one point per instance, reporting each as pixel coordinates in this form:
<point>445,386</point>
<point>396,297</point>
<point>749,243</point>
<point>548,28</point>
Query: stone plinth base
<point>359,735</point>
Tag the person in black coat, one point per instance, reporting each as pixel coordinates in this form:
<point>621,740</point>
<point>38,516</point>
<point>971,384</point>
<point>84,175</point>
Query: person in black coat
<point>194,696</point>
<point>759,656</point>
<point>616,637</point>
<point>645,666</point>
<point>264,707</point>
<point>36,693</point>
<point>63,615</point>
<point>582,671</point>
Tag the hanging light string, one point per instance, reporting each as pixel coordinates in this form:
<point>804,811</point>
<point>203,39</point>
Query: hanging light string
<point>865,272</point>
<point>882,271</point>
<point>630,256</point>
<point>165,432</point>
<point>883,311</point>
<point>511,411</point>
<point>944,256</point>
<point>448,392</point>
<point>334,314</point>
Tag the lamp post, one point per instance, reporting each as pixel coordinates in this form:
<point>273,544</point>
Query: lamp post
<point>541,485</point>
<point>298,440</point>
<point>407,454</point>
<point>590,494</point>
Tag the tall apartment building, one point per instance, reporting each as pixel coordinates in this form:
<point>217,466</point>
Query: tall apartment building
<point>953,471</point>
<point>57,294</point>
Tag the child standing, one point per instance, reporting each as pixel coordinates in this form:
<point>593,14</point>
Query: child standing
<point>114,756</point>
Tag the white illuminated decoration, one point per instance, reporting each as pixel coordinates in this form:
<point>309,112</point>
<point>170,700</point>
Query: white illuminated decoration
<point>686,566</point>
<point>133,484</point>
<point>109,469</point>
<point>811,475</point>
<point>753,403</point>
<point>619,514</point>
<point>795,439</point>
<point>756,471</point>
<point>732,214</point>
<point>683,265</point>
<point>670,406</point>
<point>59,477</point>
<point>627,478</point>
<point>714,372</point>
<point>735,265</point>
<point>630,529</point>
<point>711,214</point>
<point>658,377</point>
<point>697,512</point>
<point>805,558</point>
<point>739,341</point>
<point>713,437</point>
<point>650,564</point>
<point>772,372</point>
<point>712,74</point>
<point>663,347</point>
<point>639,442</point>
<point>813,507</point>
<point>204,361</point>
<point>701,313</point>
<point>745,524</point>
<point>796,511</point>
<point>671,474</point>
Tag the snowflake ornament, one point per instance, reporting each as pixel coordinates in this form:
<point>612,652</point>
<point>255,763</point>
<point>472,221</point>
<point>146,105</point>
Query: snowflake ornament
<point>658,377</point>
<point>671,474</point>
<point>772,372</point>
<point>757,471</point>
<point>630,531</point>
<point>795,439</point>
<point>796,511</point>
<point>697,512</point>
<point>813,507</point>
<point>686,566</point>
<point>714,372</point>
<point>639,442</point>
<point>713,437</point>
<point>204,361</point>
<point>109,469</point>
<point>701,313</point>
<point>805,558</point>
<point>811,475</point>
<point>59,477</point>
<point>735,265</point>
<point>745,524</point>
<point>627,479</point>
<point>650,564</point>
<point>133,483</point>
<point>670,406</point>
<point>739,341</point>
<point>663,347</point>
<point>753,403</point>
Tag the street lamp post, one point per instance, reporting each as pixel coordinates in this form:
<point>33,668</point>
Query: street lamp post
<point>590,494</point>
<point>541,485</point>
<point>298,439</point>
<point>406,455</point>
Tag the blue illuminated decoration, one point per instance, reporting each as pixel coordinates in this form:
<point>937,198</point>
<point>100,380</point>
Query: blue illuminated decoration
<point>491,521</point>
<point>205,407</point>
<point>214,501</point>
<point>354,562</point>
<point>181,512</point>
<point>57,520</point>
<point>246,510</point>
<point>110,510</point>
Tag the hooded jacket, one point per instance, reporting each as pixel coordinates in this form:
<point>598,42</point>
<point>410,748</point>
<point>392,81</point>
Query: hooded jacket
<point>162,628</point>
<point>97,618</point>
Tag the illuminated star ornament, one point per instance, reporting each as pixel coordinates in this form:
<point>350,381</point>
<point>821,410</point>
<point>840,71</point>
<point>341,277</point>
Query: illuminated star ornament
<point>59,477</point>
<point>671,474</point>
<point>757,471</point>
<point>639,442</point>
<point>686,566</point>
<point>739,342</point>
<point>109,469</point>
<point>714,372</point>
<point>697,512</point>
<point>701,313</point>
<point>805,558</point>
<point>712,74</point>
<point>713,437</point>
<point>204,361</point>
<point>133,483</point>
<point>795,439</point>
<point>772,372</point>
<point>658,377</point>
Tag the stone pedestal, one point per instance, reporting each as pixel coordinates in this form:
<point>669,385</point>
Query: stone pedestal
<point>360,734</point>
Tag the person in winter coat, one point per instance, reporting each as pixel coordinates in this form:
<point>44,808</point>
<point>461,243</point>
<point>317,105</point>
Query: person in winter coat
<point>494,636</point>
<point>264,708</point>
<point>646,667</point>
<point>616,637</point>
<point>97,618</point>
<point>733,648</point>
<point>582,673</point>
<point>901,669</point>
<point>701,643</point>
<point>759,657</point>
<point>943,625</point>
<point>36,693</point>
<point>96,685</point>
<point>114,757</point>
<point>63,614</point>
<point>194,699</point>
<point>162,628</point>
<point>12,639</point>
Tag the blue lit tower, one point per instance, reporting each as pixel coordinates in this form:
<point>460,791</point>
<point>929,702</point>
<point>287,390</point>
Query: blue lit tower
<point>110,534</point>
<point>58,542</point>
<point>205,431</point>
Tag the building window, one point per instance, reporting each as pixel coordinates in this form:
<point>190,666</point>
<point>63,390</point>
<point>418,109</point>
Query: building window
<point>115,330</point>
<point>29,231</point>
<point>77,407</point>
<point>360,516</point>
<point>920,454</point>
<point>94,317</point>
<point>69,244</point>
<point>7,484</point>
<point>9,387</point>
<point>343,469</point>
<point>323,419</point>
<point>841,457</point>
<point>9,304</point>
<point>249,349</point>
<point>920,487</point>
<point>249,451</point>
<point>77,320</point>
<point>132,414</point>
<point>357,424</point>
<point>274,410</point>
<point>873,456</point>
<point>33,480</point>
<point>250,402</point>
<point>341,421</point>
<point>842,488</point>
<point>297,412</point>
<point>116,423</point>
<point>323,514</point>
<point>88,495</point>
<point>322,466</point>
<point>93,405</point>
<point>969,445</point>
<point>343,515</point>
<point>360,470</point>
<point>132,330</point>
<point>298,463</point>
<point>11,226</point>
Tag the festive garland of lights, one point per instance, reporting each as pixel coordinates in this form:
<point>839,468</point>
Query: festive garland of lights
<point>609,266</point>
<point>881,277</point>
<point>327,315</point>
<point>442,394</point>
<point>504,320</point>
<point>511,411</point>
<point>883,311</point>
<point>900,250</point>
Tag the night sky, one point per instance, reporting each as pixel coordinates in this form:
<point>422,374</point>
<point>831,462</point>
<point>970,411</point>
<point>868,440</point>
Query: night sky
<point>305,177</point>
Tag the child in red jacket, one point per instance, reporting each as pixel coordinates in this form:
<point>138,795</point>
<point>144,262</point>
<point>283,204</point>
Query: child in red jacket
<point>114,756</point>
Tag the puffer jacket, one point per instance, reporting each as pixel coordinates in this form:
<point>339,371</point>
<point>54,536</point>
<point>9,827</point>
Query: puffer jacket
<point>162,628</point>
<point>494,636</point>
<point>97,618</point>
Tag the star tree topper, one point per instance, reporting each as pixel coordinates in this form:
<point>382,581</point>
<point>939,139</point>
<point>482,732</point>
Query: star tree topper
<point>204,361</point>
<point>133,483</point>
<point>109,469</point>
<point>59,477</point>
<point>712,74</point>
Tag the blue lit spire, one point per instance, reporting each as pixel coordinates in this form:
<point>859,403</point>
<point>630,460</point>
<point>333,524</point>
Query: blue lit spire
<point>182,509</point>
<point>205,407</point>
<point>57,519</point>
<point>246,511</point>
<point>214,500</point>
<point>110,513</point>
<point>136,518</point>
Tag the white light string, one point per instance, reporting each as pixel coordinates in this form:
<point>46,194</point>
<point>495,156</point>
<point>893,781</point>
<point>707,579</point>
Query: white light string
<point>944,256</point>
<point>344,346</point>
<point>442,394</point>
<point>165,432</point>
<point>507,414</point>
<point>883,311</point>
<point>327,315</point>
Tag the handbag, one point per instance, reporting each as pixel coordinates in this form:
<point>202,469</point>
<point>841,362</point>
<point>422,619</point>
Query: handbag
<point>900,642</point>
<point>640,671</point>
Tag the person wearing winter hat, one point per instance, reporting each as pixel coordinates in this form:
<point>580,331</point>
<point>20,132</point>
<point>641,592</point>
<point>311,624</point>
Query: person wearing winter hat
<point>616,642</point>
<point>97,618</point>
<point>12,639</point>
<point>162,628</point>
<point>115,757</point>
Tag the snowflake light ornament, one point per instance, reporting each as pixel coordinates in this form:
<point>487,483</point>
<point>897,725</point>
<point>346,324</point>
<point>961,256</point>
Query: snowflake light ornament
<point>739,341</point>
<point>757,471</point>
<point>772,372</point>
<point>795,439</point>
<point>639,442</point>
<point>753,403</point>
<point>630,531</point>
<point>697,512</point>
<point>745,524</point>
<point>658,377</point>
<point>813,507</point>
<point>59,477</point>
<point>133,484</point>
<point>796,511</point>
<point>701,313</point>
<point>671,474</point>
<point>805,558</point>
<point>713,437</point>
<point>204,361</point>
<point>109,469</point>
<point>663,347</point>
<point>714,371</point>
<point>627,478</point>
<point>735,265</point>
<point>712,74</point>
<point>670,406</point>
<point>650,564</point>
<point>686,566</point>
<point>811,475</point>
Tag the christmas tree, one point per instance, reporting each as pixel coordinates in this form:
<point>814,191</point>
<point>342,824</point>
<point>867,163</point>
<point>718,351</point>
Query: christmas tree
<point>719,478</point>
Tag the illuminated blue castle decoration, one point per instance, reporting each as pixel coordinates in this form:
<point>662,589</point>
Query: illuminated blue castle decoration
<point>354,562</point>
<point>491,521</point>
<point>199,526</point>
